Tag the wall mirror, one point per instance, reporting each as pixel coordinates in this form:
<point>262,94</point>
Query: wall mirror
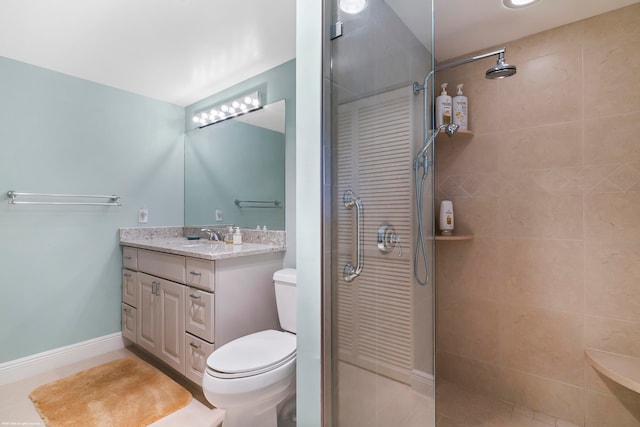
<point>235,171</point>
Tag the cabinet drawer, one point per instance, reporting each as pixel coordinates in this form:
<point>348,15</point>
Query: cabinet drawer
<point>199,313</point>
<point>129,258</point>
<point>197,352</point>
<point>129,290</point>
<point>129,322</point>
<point>200,273</point>
<point>160,264</point>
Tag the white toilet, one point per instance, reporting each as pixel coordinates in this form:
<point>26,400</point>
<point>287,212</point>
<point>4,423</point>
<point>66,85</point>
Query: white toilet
<point>250,376</point>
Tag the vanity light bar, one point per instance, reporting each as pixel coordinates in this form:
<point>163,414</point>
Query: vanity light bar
<point>229,109</point>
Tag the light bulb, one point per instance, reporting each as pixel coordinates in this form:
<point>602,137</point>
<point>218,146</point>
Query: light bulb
<point>235,104</point>
<point>224,108</point>
<point>514,4</point>
<point>232,110</point>
<point>196,119</point>
<point>214,112</point>
<point>255,102</point>
<point>247,100</point>
<point>243,107</point>
<point>353,6</point>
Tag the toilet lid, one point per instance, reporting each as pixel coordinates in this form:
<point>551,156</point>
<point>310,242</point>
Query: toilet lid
<point>253,352</point>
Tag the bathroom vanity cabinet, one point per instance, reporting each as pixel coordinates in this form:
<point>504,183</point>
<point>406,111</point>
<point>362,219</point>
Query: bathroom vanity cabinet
<point>180,308</point>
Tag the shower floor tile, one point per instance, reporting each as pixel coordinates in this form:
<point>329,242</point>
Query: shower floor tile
<point>457,406</point>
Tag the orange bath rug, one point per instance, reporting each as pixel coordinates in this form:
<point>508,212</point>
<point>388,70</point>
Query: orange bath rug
<point>124,393</point>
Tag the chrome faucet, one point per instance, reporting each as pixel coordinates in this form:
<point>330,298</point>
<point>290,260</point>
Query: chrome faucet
<point>212,234</point>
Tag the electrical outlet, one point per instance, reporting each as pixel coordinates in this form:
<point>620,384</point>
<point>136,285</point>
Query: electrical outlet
<point>143,216</point>
<point>218,215</point>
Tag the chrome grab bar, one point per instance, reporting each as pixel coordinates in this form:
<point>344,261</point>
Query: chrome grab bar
<point>350,271</point>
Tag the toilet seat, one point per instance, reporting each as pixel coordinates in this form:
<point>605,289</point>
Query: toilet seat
<point>252,355</point>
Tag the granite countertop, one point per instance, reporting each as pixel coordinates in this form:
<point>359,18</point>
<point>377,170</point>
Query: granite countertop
<point>171,240</point>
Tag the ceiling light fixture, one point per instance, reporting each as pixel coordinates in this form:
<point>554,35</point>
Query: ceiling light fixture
<point>352,6</point>
<point>232,108</point>
<point>515,4</point>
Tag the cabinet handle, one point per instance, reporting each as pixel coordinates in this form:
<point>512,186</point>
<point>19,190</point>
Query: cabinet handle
<point>193,273</point>
<point>127,275</point>
<point>195,296</point>
<point>155,288</point>
<point>126,310</point>
<point>194,345</point>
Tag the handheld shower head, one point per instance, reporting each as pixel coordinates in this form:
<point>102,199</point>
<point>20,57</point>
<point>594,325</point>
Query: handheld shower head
<point>501,70</point>
<point>449,129</point>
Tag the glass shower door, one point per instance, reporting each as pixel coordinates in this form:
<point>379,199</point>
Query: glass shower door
<point>379,317</point>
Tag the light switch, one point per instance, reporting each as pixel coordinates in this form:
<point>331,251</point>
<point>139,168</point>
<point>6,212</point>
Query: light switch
<point>218,215</point>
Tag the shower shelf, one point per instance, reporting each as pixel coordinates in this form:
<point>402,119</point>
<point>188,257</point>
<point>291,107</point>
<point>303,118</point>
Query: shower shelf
<point>455,237</point>
<point>459,134</point>
<point>625,370</point>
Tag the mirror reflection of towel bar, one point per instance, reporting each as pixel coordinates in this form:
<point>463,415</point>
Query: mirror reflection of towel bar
<point>258,204</point>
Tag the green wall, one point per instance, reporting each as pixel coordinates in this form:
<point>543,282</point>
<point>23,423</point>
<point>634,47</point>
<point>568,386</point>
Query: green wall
<point>61,265</point>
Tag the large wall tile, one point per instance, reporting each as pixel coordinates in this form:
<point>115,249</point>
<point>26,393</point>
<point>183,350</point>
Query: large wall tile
<point>616,336</point>
<point>611,85</point>
<point>465,156</point>
<point>553,398</point>
<point>468,327</point>
<point>545,43</point>
<point>612,275</point>
<point>603,410</point>
<point>543,273</point>
<point>545,90</point>
<point>612,216</point>
<point>612,141</point>
<point>542,147</point>
<point>613,28</point>
<point>469,372</point>
<point>543,342</point>
<point>542,216</point>
<point>469,269</point>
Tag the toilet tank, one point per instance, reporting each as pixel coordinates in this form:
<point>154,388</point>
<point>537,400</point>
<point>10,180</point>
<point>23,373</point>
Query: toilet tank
<point>285,283</point>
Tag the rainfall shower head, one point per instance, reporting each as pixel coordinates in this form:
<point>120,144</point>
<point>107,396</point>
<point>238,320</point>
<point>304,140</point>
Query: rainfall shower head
<point>501,70</point>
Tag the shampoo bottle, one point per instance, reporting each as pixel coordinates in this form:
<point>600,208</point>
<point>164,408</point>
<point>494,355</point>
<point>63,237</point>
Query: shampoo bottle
<point>446,218</point>
<point>443,107</point>
<point>460,109</point>
<point>228,236</point>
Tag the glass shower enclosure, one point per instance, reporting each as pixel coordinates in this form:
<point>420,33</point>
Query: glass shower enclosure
<point>378,356</point>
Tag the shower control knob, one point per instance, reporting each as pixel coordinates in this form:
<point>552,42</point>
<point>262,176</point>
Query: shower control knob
<point>388,238</point>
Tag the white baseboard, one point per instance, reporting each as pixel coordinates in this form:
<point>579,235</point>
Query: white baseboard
<point>422,382</point>
<point>19,369</point>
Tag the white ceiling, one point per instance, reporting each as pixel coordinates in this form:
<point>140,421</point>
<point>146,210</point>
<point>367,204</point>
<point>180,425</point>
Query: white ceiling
<point>181,51</point>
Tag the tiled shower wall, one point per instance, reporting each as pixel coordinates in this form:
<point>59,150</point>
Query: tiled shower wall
<point>549,185</point>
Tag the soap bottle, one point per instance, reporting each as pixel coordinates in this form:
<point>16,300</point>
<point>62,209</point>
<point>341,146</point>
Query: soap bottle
<point>446,218</point>
<point>443,107</point>
<point>237,237</point>
<point>228,236</point>
<point>460,109</point>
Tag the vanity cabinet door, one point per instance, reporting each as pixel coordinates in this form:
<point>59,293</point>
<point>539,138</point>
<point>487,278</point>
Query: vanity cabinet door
<point>129,289</point>
<point>171,307</point>
<point>129,322</point>
<point>199,313</point>
<point>148,313</point>
<point>197,352</point>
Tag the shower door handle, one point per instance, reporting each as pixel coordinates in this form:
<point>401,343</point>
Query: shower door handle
<point>350,271</point>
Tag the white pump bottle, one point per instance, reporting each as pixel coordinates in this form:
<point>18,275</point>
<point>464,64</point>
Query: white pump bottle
<point>460,109</point>
<point>443,107</point>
